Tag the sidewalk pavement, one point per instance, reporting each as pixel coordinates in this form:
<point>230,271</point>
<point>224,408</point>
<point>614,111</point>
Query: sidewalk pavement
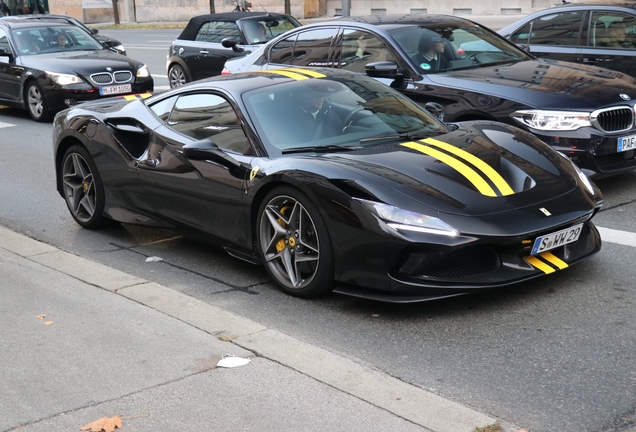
<point>83,341</point>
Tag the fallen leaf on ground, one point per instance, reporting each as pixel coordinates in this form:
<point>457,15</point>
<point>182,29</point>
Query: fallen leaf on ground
<point>48,322</point>
<point>105,424</point>
<point>40,316</point>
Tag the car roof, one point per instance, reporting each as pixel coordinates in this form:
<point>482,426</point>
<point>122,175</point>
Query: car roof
<point>393,19</point>
<point>192,28</point>
<point>17,22</point>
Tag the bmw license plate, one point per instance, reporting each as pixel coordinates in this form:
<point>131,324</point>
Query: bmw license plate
<point>626,143</point>
<point>116,89</point>
<point>556,239</point>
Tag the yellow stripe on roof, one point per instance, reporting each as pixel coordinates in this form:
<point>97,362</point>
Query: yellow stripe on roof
<point>471,175</point>
<point>307,72</point>
<point>283,72</point>
<point>536,262</point>
<point>554,260</point>
<point>489,171</point>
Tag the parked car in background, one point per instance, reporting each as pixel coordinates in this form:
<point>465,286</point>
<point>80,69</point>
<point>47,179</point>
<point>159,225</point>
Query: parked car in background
<point>104,40</point>
<point>464,71</point>
<point>47,65</point>
<point>373,197</point>
<point>199,51</point>
<point>601,35</point>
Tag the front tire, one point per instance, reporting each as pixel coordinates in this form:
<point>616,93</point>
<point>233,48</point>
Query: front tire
<point>36,102</point>
<point>294,244</point>
<point>83,188</point>
<point>177,76</point>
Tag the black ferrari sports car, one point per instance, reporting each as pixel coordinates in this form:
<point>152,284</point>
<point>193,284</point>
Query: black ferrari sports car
<point>333,181</point>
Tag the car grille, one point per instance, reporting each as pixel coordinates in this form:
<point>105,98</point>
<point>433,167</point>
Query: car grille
<point>613,119</point>
<point>465,262</point>
<point>119,77</point>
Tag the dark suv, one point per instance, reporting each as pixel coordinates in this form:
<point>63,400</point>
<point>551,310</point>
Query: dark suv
<point>199,52</point>
<point>464,71</point>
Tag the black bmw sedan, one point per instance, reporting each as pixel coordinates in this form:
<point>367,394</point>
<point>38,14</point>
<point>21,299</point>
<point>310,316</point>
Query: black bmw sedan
<point>47,65</point>
<point>332,181</point>
<point>464,71</point>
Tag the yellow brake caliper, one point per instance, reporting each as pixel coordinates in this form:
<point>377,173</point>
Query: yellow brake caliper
<point>280,245</point>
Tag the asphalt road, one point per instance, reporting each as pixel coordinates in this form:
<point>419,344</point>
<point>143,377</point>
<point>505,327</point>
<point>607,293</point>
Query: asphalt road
<point>554,354</point>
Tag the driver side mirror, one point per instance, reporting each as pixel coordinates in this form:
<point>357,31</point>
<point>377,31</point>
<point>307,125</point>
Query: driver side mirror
<point>231,43</point>
<point>383,69</point>
<point>6,53</point>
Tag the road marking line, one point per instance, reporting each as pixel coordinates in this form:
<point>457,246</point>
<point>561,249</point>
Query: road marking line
<point>624,238</point>
<point>5,125</point>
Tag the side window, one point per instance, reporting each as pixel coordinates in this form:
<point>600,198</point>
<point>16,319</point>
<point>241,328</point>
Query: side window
<point>521,36</point>
<point>163,107</point>
<point>557,29</point>
<point>315,47</point>
<point>612,30</point>
<point>216,31</point>
<point>210,116</point>
<point>360,48</point>
<point>282,52</point>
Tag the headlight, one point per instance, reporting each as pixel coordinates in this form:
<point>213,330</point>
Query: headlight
<point>404,220</point>
<point>64,79</point>
<point>143,72</point>
<point>552,120</point>
<point>584,179</point>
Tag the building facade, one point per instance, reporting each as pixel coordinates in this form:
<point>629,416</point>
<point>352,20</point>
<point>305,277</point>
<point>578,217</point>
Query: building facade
<point>146,11</point>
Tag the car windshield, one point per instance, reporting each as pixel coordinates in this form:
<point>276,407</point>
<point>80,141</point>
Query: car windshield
<point>440,47</point>
<point>351,111</point>
<point>262,29</point>
<point>51,38</point>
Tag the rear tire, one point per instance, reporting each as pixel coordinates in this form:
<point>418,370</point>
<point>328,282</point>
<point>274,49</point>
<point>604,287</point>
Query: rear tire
<point>177,76</point>
<point>83,188</point>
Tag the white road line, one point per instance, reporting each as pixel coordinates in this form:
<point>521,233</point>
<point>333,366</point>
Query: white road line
<point>624,238</point>
<point>5,125</point>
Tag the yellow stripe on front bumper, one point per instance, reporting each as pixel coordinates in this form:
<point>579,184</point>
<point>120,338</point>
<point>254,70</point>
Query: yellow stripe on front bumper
<point>284,72</point>
<point>471,175</point>
<point>554,260</point>
<point>536,262</point>
<point>488,171</point>
<point>307,72</point>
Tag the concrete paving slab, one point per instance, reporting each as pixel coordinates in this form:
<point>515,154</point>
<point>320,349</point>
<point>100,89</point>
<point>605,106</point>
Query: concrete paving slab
<point>22,245</point>
<point>245,398</point>
<point>87,271</point>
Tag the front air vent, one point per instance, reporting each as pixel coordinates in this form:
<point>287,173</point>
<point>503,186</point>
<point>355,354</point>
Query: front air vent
<point>122,76</point>
<point>616,119</point>
<point>102,78</point>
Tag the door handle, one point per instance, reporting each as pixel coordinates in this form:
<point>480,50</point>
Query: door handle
<point>590,60</point>
<point>204,52</point>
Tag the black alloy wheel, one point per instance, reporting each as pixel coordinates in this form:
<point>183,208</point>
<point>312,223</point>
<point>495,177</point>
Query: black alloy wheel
<point>294,243</point>
<point>83,188</point>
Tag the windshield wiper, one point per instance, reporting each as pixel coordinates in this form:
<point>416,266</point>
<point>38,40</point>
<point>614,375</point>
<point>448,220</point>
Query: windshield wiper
<point>404,136</point>
<point>321,148</point>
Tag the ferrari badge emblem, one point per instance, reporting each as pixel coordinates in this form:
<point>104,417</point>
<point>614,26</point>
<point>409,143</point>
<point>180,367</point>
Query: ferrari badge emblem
<point>253,172</point>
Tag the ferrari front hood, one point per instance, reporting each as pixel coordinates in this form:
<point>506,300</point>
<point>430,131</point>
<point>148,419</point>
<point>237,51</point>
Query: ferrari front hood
<point>480,168</point>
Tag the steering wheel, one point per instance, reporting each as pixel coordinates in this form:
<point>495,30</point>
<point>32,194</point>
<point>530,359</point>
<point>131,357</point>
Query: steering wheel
<point>473,57</point>
<point>348,120</point>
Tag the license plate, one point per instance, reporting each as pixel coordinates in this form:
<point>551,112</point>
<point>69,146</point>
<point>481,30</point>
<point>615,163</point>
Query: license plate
<point>556,239</point>
<point>626,143</point>
<point>116,89</point>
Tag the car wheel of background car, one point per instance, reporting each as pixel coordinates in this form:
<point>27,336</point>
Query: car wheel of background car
<point>36,104</point>
<point>83,188</point>
<point>177,76</point>
<point>294,243</point>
